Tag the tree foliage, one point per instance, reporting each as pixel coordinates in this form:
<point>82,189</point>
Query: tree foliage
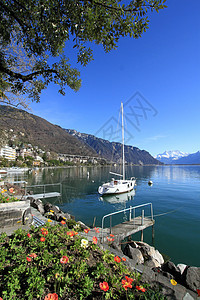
<point>33,34</point>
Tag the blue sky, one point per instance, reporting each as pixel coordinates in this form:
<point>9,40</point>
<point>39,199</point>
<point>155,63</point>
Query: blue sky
<point>157,77</point>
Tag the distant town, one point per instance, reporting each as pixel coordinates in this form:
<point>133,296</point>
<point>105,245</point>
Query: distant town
<point>26,155</point>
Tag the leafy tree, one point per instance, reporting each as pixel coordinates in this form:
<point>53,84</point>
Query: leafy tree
<point>41,28</point>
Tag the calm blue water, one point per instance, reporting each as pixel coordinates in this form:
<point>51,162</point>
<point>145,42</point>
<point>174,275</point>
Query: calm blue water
<point>175,196</point>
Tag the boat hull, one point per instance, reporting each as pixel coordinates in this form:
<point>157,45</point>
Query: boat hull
<point>116,187</point>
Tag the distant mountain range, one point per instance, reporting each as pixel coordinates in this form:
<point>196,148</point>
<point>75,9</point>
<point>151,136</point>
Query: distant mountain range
<point>171,157</point>
<point>20,126</point>
<point>179,157</point>
<point>112,151</point>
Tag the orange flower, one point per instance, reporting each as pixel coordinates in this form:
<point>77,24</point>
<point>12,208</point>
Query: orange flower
<point>70,233</point>
<point>1,298</point>
<point>123,258</point>
<point>140,288</point>
<point>87,230</point>
<point>64,260</point>
<point>53,296</point>
<point>43,229</point>
<point>42,239</point>
<point>45,232</point>
<point>63,222</point>
<point>128,279</point>
<point>29,235</point>
<point>28,259</point>
<point>11,190</point>
<point>110,239</point>
<point>96,229</point>
<point>198,292</point>
<point>117,259</point>
<point>126,284</point>
<point>104,286</point>
<point>33,255</point>
<point>112,235</point>
<point>94,239</point>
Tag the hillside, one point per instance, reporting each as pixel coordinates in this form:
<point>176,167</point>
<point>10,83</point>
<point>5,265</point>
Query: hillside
<point>111,151</point>
<point>21,126</point>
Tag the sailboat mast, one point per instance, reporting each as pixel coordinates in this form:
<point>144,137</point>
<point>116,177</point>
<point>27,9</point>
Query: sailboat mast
<point>123,141</point>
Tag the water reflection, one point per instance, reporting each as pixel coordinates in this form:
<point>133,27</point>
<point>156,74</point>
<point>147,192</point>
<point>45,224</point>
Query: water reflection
<point>120,198</point>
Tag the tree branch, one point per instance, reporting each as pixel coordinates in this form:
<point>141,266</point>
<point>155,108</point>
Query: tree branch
<point>21,23</point>
<point>28,77</point>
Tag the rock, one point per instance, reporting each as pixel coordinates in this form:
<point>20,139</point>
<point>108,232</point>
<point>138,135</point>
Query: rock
<point>62,216</point>
<point>188,297</point>
<point>152,263</point>
<point>150,252</point>
<point>48,206</point>
<point>37,203</point>
<point>134,254</point>
<point>133,244</point>
<point>181,267</point>
<point>191,276</point>
<point>83,226</point>
<point>116,247</point>
<point>171,268</point>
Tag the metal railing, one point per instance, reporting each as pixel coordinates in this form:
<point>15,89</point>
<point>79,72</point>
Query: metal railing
<point>131,213</point>
<point>44,186</point>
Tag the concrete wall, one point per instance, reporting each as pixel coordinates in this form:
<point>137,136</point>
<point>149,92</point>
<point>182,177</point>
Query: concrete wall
<point>11,213</point>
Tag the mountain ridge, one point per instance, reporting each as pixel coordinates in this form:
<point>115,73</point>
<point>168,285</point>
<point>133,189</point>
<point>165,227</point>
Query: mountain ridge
<point>112,150</point>
<point>20,126</point>
<point>171,156</point>
<point>179,157</point>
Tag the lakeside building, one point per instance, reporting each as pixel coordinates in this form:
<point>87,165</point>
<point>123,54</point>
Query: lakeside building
<point>8,152</point>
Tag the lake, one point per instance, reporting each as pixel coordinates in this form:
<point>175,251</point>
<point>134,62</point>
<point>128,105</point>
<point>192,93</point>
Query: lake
<point>175,195</point>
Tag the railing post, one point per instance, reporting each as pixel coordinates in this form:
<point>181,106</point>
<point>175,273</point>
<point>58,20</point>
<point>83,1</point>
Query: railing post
<point>110,223</point>
<point>143,217</point>
<point>130,213</point>
<point>151,212</point>
<point>102,229</point>
<point>60,189</point>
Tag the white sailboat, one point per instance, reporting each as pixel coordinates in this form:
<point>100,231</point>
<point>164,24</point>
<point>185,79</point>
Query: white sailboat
<point>118,186</point>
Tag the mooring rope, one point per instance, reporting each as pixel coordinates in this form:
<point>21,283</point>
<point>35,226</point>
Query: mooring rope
<point>168,212</point>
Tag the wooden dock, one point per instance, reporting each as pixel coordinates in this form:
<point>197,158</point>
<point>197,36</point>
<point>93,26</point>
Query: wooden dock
<point>43,195</point>
<point>135,223</point>
<point>125,229</point>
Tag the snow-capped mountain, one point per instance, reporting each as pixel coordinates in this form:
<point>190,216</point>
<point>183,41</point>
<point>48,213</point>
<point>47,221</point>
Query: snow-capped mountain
<point>171,157</point>
<point>192,159</point>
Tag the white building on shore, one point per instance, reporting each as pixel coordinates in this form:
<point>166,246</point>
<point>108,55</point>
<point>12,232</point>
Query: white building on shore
<point>8,152</point>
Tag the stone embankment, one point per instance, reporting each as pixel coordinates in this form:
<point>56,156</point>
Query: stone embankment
<point>179,282</point>
<point>143,258</point>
